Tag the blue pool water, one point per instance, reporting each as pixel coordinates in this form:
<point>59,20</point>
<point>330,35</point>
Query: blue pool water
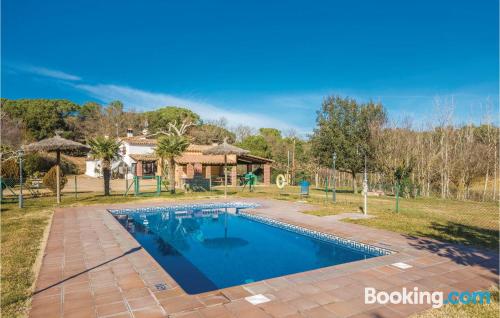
<point>205,249</point>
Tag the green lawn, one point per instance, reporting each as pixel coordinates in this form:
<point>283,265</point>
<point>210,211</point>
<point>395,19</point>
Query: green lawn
<point>469,223</point>
<point>490,310</point>
<point>474,223</point>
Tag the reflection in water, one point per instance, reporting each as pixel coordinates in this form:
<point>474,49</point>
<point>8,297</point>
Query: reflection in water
<point>174,229</point>
<point>224,242</point>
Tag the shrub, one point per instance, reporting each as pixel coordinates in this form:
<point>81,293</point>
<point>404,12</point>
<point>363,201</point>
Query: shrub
<point>33,162</point>
<point>10,169</point>
<point>41,162</point>
<point>50,179</point>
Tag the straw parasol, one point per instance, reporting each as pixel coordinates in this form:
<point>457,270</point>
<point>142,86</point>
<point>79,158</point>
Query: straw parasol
<point>225,149</point>
<point>56,144</point>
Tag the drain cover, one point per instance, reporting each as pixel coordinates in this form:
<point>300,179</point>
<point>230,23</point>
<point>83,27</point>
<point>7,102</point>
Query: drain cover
<point>257,299</point>
<point>161,286</point>
<point>402,265</point>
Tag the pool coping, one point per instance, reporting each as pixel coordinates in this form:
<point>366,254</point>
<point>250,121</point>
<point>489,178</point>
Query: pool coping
<point>175,301</point>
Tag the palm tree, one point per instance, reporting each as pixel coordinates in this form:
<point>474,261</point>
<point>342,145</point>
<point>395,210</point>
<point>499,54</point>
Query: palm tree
<point>169,147</point>
<point>106,150</point>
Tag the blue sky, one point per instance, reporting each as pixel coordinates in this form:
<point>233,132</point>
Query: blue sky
<point>260,63</point>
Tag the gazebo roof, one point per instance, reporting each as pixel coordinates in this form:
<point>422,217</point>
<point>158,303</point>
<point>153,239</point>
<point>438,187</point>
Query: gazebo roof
<point>225,149</point>
<point>56,143</point>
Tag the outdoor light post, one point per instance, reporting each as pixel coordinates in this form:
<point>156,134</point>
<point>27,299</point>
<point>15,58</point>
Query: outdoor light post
<point>365,190</point>
<point>20,154</point>
<point>334,195</point>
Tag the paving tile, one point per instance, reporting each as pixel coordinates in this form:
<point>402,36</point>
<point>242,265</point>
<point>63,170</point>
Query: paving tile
<point>85,312</point>
<point>168,293</point>
<point>191,314</point>
<point>307,289</point>
<point>302,304</point>
<point>76,305</point>
<point>322,298</point>
<point>348,292</point>
<point>131,281</point>
<point>238,306</point>
<point>235,293</point>
<point>111,309</point>
<point>379,312</point>
<point>317,312</point>
<point>136,293</point>
<point>254,313</point>
<point>111,297</point>
<point>258,288</point>
<point>278,309</point>
<point>180,303</point>
<point>341,309</point>
<point>49,310</point>
<point>286,294</point>
<point>214,299</point>
<point>137,303</point>
<point>149,312</point>
<point>217,311</point>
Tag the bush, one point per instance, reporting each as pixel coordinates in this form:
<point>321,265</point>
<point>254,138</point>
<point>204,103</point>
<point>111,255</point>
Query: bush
<point>10,169</point>
<point>50,180</point>
<point>33,162</point>
<point>41,162</point>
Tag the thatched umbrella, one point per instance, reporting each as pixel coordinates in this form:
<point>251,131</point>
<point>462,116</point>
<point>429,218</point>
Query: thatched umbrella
<point>56,144</point>
<point>225,149</point>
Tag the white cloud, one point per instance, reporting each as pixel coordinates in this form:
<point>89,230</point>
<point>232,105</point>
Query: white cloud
<point>47,72</point>
<point>144,100</point>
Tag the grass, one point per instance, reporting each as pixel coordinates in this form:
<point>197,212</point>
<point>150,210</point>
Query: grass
<point>490,310</point>
<point>22,232</point>
<point>464,222</point>
<point>473,223</point>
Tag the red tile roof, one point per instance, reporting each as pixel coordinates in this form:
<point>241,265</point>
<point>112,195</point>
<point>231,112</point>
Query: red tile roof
<point>193,154</point>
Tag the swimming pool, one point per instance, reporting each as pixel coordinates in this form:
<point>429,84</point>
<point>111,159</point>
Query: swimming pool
<point>213,246</point>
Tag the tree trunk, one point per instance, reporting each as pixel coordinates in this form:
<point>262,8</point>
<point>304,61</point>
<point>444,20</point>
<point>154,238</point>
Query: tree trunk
<point>354,183</point>
<point>171,175</point>
<point>486,184</point>
<point>495,178</point>
<point>106,173</point>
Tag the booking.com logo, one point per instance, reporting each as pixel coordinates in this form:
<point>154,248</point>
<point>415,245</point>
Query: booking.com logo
<point>417,297</point>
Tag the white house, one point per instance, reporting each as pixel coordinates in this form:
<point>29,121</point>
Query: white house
<point>137,158</point>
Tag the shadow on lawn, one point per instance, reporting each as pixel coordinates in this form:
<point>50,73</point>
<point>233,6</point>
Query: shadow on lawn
<point>130,251</point>
<point>462,247</point>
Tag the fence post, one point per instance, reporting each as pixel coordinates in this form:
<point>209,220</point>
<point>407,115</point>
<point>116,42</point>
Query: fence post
<point>158,185</point>
<point>397,196</point>
<point>126,184</point>
<point>326,187</point>
<point>136,185</point>
<point>21,153</point>
<point>76,189</point>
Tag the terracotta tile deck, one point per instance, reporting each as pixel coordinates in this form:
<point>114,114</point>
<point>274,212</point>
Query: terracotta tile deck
<point>92,267</point>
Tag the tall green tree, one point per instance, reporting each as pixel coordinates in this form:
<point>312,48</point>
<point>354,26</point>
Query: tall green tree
<point>257,145</point>
<point>207,134</point>
<point>169,147</point>
<point>106,150</point>
<point>345,126</point>
<point>159,119</point>
<point>42,117</point>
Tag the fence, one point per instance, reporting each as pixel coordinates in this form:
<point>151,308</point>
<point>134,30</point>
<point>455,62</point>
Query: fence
<point>409,187</point>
